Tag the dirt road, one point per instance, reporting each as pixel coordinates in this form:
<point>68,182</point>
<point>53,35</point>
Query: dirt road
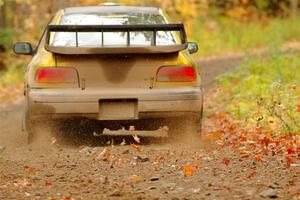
<point>151,170</point>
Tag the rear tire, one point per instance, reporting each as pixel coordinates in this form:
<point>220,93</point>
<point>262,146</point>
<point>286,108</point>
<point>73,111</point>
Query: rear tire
<point>27,127</point>
<point>34,130</point>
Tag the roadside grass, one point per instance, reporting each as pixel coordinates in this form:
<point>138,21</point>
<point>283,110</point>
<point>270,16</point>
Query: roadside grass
<point>14,74</point>
<point>264,92</point>
<point>11,79</point>
<point>223,35</point>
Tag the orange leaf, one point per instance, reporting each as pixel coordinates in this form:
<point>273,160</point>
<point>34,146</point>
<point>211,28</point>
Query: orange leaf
<point>48,183</point>
<point>30,170</point>
<point>245,154</point>
<point>138,149</point>
<point>266,139</point>
<point>251,175</point>
<point>213,136</point>
<point>195,166</point>
<point>136,177</point>
<point>257,158</point>
<point>67,197</point>
<point>187,171</point>
<point>289,160</point>
<point>298,108</point>
<point>226,161</point>
<point>242,138</point>
<point>221,143</point>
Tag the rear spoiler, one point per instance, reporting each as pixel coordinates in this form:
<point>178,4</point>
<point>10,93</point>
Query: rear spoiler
<point>128,48</point>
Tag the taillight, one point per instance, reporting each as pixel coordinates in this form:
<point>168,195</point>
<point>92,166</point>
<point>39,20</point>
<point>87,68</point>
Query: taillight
<point>56,75</point>
<point>176,74</point>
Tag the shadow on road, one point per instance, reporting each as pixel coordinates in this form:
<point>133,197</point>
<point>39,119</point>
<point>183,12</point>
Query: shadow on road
<point>79,132</point>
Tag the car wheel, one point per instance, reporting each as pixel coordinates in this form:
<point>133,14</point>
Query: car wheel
<point>35,130</point>
<point>28,128</point>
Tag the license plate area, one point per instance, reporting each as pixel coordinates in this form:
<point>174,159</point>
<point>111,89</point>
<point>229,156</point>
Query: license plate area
<point>117,109</point>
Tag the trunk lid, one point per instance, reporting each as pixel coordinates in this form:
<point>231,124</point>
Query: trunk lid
<point>117,71</point>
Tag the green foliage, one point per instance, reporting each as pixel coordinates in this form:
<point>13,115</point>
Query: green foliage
<point>225,35</point>
<point>14,75</point>
<point>265,92</point>
<point>6,38</point>
<point>262,4</point>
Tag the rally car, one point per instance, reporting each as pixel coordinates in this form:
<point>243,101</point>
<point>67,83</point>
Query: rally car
<point>117,64</point>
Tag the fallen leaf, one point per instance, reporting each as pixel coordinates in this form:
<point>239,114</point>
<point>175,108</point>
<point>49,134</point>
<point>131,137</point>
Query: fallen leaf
<point>266,139</point>
<point>226,161</point>
<point>140,159</point>
<point>257,158</point>
<point>105,180</point>
<point>22,182</point>
<point>59,159</point>
<point>112,142</point>
<point>165,128</point>
<point>27,194</point>
<point>295,165</point>
<point>137,139</point>
<point>245,154</point>
<point>298,108</point>
<point>67,197</point>
<point>138,149</point>
<point>213,136</point>
<point>289,160</point>
<point>154,178</point>
<point>251,175</point>
<point>53,140</point>
<point>136,177</point>
<point>123,142</point>
<point>48,183</point>
<point>2,148</point>
<point>187,171</point>
<point>291,151</point>
<point>104,155</point>
<point>30,170</point>
<point>131,128</point>
<point>271,193</point>
<point>221,143</point>
<point>242,139</point>
<point>195,166</point>
<point>125,152</point>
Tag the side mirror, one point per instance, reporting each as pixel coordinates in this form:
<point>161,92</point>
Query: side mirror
<point>23,48</point>
<point>192,47</point>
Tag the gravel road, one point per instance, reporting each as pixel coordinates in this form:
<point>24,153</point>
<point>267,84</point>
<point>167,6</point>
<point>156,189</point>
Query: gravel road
<point>154,169</point>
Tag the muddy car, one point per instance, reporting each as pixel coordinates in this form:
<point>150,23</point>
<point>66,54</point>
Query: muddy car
<point>127,68</point>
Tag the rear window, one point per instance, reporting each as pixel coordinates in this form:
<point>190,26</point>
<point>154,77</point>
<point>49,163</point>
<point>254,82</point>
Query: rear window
<point>94,39</point>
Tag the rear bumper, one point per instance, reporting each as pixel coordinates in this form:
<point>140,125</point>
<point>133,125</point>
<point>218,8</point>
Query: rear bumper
<point>163,102</point>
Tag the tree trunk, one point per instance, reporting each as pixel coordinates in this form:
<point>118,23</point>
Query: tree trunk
<point>294,7</point>
<point>2,16</point>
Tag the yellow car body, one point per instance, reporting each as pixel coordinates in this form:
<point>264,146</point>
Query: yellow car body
<point>111,86</point>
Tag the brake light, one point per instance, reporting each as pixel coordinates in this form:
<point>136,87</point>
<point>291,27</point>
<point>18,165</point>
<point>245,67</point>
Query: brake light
<point>56,75</point>
<point>176,74</point>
